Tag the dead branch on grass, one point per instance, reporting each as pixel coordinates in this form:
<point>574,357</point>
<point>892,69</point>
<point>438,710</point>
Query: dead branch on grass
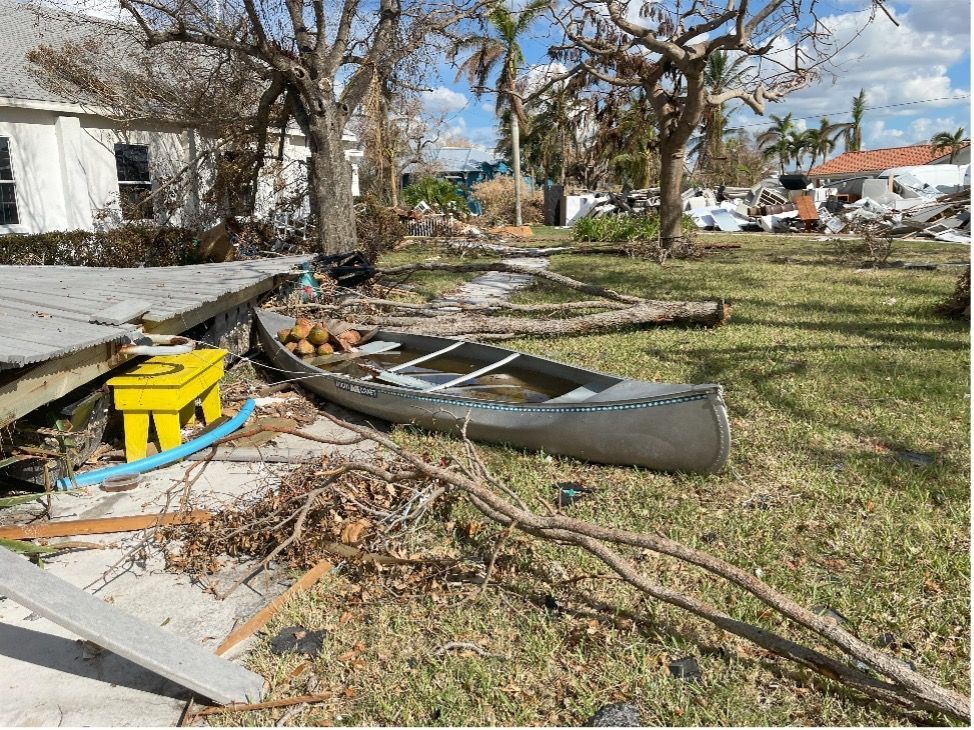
<point>899,684</point>
<point>707,314</point>
<point>507,268</point>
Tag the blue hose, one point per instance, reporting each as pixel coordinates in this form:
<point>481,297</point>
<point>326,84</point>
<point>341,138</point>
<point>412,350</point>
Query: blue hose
<point>163,458</point>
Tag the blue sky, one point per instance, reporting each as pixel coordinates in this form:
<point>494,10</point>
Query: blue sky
<point>927,57</point>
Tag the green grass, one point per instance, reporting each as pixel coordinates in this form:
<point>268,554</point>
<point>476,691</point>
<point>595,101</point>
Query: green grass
<point>827,372</point>
<point>426,284</point>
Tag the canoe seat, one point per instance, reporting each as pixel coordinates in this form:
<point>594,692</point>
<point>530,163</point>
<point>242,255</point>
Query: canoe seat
<point>581,393</point>
<point>377,346</point>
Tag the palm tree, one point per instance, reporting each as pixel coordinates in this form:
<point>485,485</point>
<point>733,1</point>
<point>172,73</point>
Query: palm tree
<point>947,141</point>
<point>552,139</point>
<point>775,141</point>
<point>821,140</point>
<point>853,133</point>
<point>499,47</point>
<point>626,138</point>
<point>796,145</point>
<point>721,74</point>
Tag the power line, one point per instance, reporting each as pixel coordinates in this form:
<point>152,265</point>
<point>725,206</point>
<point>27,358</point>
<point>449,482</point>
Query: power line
<point>868,108</point>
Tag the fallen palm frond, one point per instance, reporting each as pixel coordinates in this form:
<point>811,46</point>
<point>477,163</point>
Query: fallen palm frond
<point>870,671</point>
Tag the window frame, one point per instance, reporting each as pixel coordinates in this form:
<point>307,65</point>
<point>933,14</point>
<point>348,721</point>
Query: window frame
<point>145,185</point>
<point>18,225</point>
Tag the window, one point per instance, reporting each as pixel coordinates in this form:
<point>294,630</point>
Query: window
<point>134,183</point>
<point>8,193</point>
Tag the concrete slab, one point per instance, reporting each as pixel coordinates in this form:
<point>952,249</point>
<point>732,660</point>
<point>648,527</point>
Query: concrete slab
<point>49,677</point>
<point>492,286</point>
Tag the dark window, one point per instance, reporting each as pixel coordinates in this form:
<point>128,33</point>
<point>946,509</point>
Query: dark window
<point>8,193</point>
<point>134,183</point>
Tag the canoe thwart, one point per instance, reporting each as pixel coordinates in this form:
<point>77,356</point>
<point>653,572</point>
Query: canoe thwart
<point>475,373</point>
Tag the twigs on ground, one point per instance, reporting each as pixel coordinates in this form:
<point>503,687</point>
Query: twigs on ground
<point>896,682</point>
<point>269,705</point>
<point>905,687</point>
<point>463,646</point>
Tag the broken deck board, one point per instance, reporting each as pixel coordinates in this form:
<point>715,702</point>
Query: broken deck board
<point>48,351</point>
<point>154,648</point>
<point>49,303</point>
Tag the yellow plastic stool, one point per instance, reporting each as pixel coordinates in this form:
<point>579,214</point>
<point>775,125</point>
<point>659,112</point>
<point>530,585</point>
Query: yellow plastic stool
<point>166,388</point>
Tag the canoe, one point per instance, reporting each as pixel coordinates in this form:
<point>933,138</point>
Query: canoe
<point>513,398</point>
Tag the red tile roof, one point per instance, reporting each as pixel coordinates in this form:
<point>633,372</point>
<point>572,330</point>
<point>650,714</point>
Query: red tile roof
<point>877,160</point>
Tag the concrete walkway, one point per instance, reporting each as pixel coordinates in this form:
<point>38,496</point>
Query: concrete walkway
<point>48,677</point>
<point>492,286</point>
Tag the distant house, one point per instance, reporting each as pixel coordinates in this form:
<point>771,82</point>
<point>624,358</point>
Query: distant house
<point>64,166</point>
<point>872,162</point>
<point>464,166</point>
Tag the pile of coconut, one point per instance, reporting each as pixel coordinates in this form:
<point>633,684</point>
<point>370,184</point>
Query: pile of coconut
<point>307,339</point>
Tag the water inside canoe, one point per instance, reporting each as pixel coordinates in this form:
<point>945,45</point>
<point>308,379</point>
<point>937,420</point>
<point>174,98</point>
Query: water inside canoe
<point>509,384</point>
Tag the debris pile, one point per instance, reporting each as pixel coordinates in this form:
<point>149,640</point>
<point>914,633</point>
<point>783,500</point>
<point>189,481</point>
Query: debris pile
<point>903,203</point>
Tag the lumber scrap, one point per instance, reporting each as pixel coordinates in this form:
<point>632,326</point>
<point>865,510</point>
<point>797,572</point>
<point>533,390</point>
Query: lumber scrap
<point>102,525</point>
<point>173,657</point>
<point>260,619</point>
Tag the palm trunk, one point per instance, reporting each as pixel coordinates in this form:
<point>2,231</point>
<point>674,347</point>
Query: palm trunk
<point>516,158</point>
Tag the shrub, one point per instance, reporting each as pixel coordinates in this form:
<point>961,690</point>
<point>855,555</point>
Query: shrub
<point>496,198</point>
<point>958,304</point>
<point>623,228</point>
<point>378,227</point>
<point>441,195</point>
<point>124,247</point>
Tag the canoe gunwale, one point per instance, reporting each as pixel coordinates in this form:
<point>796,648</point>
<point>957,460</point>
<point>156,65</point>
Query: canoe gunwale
<point>689,433</point>
<point>696,392</point>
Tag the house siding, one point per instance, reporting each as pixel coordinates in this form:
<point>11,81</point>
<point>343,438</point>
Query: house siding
<point>65,175</point>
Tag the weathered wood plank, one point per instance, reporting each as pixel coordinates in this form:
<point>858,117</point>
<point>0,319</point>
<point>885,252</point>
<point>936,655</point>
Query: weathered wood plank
<point>152,647</point>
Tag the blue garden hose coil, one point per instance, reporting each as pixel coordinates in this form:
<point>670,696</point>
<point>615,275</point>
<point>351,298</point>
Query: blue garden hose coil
<point>164,458</point>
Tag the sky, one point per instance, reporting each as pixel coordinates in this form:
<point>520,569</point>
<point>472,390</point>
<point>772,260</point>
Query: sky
<point>926,59</point>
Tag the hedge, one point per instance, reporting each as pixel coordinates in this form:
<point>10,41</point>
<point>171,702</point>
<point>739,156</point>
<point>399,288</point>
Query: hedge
<point>125,247</point>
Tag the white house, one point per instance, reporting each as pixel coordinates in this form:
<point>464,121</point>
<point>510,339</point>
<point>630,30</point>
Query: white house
<point>64,166</point>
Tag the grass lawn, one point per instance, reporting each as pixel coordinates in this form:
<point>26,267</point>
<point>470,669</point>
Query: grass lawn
<point>828,372</point>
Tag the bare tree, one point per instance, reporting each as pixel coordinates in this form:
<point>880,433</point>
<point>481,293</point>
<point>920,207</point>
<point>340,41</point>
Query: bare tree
<point>663,48</point>
<point>317,60</point>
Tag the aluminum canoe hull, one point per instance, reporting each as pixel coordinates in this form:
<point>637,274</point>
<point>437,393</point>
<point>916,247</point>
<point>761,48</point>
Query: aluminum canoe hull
<point>675,428</point>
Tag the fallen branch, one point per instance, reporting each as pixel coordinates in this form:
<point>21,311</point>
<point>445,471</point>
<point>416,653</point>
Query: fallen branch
<point>908,688</point>
<point>645,313</point>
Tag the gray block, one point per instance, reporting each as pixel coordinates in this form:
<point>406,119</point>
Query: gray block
<point>128,311</point>
<point>170,656</point>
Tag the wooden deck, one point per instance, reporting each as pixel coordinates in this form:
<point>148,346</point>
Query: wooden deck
<point>61,327</point>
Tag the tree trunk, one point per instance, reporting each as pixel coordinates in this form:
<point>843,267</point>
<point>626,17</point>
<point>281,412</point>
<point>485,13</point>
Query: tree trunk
<point>331,184</point>
<point>516,159</point>
<point>644,314</point>
<point>671,204</point>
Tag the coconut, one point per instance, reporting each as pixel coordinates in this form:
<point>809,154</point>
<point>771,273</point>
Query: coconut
<point>318,335</point>
<point>305,349</point>
<point>325,349</point>
<point>284,334</point>
<point>350,337</point>
<point>301,329</point>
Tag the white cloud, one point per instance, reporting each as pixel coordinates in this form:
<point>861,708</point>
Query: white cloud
<point>894,65</point>
<point>442,100</point>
